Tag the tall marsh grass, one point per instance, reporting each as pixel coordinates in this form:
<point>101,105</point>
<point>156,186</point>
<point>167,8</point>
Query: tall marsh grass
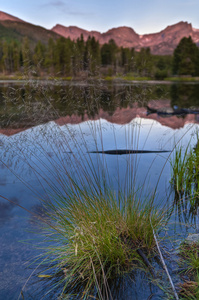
<point>99,218</point>
<point>97,238</point>
<point>189,262</point>
<point>185,178</point>
<point>97,227</point>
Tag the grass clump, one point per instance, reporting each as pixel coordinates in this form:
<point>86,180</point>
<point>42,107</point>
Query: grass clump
<point>189,260</point>
<point>185,182</point>
<point>185,173</point>
<point>179,180</point>
<point>100,238</point>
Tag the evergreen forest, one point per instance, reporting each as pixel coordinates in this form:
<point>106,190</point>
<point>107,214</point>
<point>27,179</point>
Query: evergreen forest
<point>66,58</point>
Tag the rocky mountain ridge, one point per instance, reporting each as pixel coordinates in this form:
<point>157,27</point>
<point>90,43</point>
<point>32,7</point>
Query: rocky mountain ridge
<point>162,43</point>
<point>7,17</point>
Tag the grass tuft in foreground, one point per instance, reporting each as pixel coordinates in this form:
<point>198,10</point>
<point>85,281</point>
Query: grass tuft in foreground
<point>97,238</point>
<point>189,260</point>
<point>185,178</point>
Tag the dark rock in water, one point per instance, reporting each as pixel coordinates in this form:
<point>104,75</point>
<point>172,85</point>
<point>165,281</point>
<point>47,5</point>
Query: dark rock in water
<point>171,111</point>
<point>192,238</point>
<point>127,151</point>
<point>163,110</point>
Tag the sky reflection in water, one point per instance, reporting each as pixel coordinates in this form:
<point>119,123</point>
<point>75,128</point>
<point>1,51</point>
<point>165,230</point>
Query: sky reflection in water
<point>29,157</point>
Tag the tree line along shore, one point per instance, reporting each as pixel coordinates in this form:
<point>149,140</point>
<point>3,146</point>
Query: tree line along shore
<point>79,59</point>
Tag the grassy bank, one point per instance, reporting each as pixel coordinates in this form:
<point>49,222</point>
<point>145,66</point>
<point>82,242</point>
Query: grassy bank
<point>106,78</point>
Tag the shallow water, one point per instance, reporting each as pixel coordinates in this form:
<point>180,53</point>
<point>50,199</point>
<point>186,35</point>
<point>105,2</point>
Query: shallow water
<point>36,143</point>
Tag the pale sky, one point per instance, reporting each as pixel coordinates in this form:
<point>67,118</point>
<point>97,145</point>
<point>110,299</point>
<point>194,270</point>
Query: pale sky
<point>144,16</point>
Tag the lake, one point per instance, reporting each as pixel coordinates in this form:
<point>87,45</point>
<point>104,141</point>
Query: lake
<point>49,127</point>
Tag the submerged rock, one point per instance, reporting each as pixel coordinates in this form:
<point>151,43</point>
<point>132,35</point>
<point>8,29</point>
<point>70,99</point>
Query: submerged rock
<point>192,238</point>
<point>128,151</point>
<point>171,111</point>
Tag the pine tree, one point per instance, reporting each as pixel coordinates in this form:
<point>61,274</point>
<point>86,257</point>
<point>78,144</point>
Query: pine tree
<point>39,56</point>
<point>186,58</point>
<point>49,62</point>
<point>26,54</point>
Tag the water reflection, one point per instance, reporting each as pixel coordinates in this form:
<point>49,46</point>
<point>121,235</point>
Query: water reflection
<point>136,284</point>
<point>6,210</point>
<point>119,121</point>
<point>185,95</point>
<point>33,103</point>
<point>186,208</point>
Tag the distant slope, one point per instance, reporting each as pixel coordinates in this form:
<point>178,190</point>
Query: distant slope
<point>15,28</point>
<point>19,30</point>
<point>7,34</point>
<point>5,17</point>
<point>163,42</point>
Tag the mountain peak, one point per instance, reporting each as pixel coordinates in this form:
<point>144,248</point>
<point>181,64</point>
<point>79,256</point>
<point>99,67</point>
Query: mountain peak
<point>6,17</point>
<point>163,42</point>
<point>122,30</point>
<point>180,25</point>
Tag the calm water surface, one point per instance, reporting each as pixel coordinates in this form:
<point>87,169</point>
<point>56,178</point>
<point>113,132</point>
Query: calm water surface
<point>38,126</point>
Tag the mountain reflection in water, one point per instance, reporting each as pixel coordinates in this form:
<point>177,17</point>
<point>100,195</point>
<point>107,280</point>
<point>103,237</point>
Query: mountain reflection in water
<point>36,128</point>
<point>31,104</point>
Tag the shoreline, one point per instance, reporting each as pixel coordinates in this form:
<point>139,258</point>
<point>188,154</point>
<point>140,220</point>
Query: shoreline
<point>139,80</point>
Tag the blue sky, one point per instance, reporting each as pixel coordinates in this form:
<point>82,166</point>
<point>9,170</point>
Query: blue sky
<point>144,16</point>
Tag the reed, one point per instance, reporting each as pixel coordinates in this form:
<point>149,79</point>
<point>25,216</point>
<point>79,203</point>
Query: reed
<point>185,178</point>
<point>189,261</point>
<point>95,239</point>
<point>98,226</point>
